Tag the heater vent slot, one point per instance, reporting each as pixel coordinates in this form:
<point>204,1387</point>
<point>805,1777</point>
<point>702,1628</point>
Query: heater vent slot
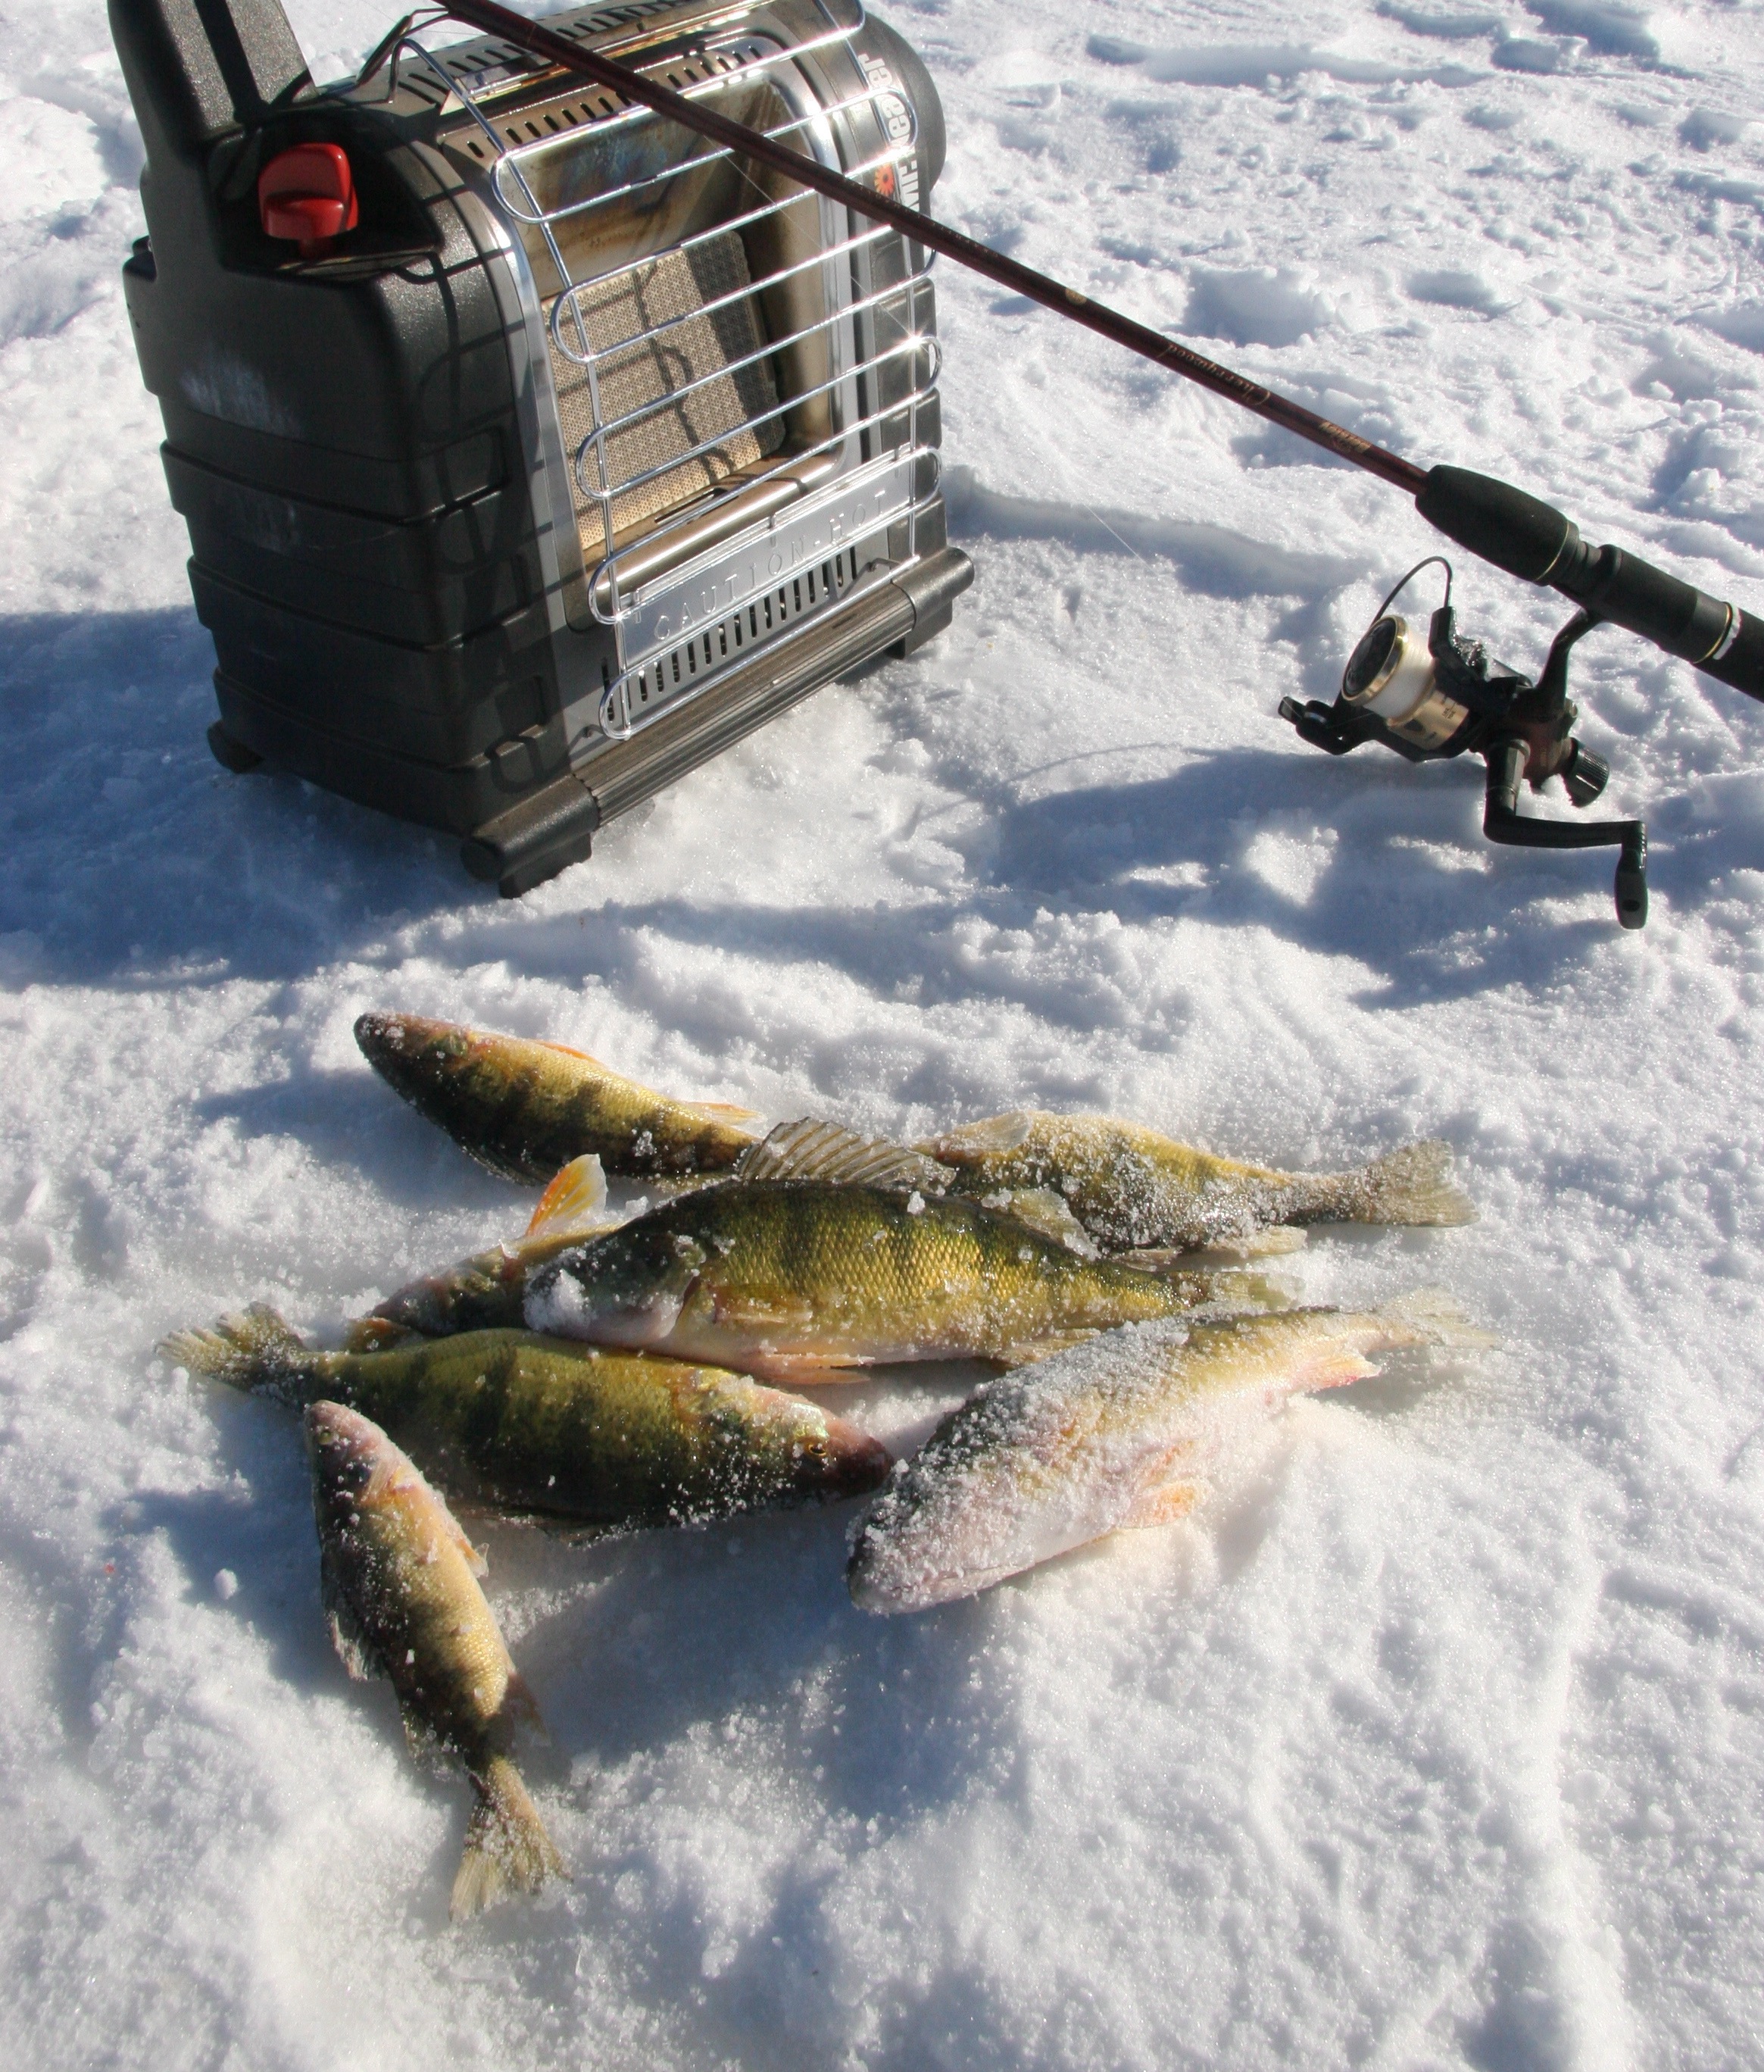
<point>666,678</point>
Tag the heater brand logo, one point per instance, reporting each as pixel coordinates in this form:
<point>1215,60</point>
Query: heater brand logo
<point>892,113</point>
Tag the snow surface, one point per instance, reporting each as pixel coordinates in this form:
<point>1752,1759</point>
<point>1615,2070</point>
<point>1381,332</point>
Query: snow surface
<point>1439,1740</point>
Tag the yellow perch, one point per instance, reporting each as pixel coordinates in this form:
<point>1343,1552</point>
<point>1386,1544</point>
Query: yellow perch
<point>524,1108</point>
<point>400,1581</point>
<point>800,1280</point>
<point>1117,1432</point>
<point>541,1424</point>
<point>1131,1186</point>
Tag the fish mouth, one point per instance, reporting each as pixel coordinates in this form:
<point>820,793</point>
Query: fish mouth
<point>403,1048</point>
<point>343,1441</point>
<point>888,1574</point>
<point>853,1463</point>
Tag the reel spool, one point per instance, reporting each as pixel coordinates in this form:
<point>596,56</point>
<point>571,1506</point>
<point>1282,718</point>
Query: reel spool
<point>1446,695</point>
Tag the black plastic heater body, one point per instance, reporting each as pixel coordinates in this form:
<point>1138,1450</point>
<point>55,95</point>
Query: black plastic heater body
<point>584,451</point>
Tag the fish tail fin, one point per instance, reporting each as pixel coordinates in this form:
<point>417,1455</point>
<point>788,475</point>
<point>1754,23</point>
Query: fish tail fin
<point>1412,1185</point>
<point>253,1349</point>
<point>506,1847</point>
<point>1436,1319</point>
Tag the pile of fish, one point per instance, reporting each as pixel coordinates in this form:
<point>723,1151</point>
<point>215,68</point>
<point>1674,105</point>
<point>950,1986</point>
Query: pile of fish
<point>631,1369</point>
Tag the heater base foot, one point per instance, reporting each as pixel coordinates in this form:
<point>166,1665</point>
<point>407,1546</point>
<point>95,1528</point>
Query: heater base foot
<point>231,753</point>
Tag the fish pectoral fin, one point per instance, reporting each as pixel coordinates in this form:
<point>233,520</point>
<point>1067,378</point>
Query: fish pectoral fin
<point>1334,1369</point>
<point>356,1652</point>
<point>519,1704</point>
<point>801,1369</point>
<point>573,1202</point>
<point>376,1334</point>
<point>352,1644</point>
<point>811,1149</point>
<point>777,1316</point>
<point>1046,1211</point>
<point>477,1562</point>
<point>1163,1504</point>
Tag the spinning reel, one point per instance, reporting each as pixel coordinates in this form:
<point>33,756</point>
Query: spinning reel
<point>1447,696</point>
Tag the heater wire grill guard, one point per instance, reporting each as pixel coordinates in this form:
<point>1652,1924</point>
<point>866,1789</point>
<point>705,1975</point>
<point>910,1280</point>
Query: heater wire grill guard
<point>676,427</point>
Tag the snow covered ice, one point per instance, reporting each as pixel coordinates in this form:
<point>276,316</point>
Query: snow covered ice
<point>1437,1740</point>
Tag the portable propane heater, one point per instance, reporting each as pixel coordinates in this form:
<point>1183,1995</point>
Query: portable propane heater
<point>533,450</point>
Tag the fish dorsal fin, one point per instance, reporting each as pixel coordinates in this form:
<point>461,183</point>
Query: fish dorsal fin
<point>581,1057</point>
<point>811,1149</point>
<point>718,1111</point>
<point>572,1201</point>
<point>975,1140</point>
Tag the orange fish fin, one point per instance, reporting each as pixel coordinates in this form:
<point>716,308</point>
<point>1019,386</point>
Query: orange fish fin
<point>572,1201</point>
<point>570,1051</point>
<point>1333,1369</point>
<point>455,1532</point>
<point>1163,1504</point>
<point>720,1111</point>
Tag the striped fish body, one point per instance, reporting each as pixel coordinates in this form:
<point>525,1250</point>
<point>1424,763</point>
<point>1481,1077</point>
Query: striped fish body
<point>793,1279</point>
<point>599,1437</point>
<point>525,1108</point>
<point>400,1588</point>
<point>1133,1187</point>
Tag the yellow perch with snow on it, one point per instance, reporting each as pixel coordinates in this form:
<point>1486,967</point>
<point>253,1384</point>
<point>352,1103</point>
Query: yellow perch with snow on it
<point>486,1292</point>
<point>803,1279</point>
<point>1117,1432</point>
<point>399,1582</point>
<point>525,1108</point>
<point>540,1424</point>
<point>1131,1186</point>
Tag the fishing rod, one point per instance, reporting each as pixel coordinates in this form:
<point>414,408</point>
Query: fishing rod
<point>1426,699</point>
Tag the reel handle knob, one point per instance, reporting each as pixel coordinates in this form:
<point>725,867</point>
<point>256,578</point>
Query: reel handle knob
<point>1631,886</point>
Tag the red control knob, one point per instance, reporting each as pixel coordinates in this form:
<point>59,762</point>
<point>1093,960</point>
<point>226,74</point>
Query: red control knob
<point>306,195</point>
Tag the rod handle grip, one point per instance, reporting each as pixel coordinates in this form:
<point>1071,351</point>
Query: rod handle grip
<point>1533,541</point>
